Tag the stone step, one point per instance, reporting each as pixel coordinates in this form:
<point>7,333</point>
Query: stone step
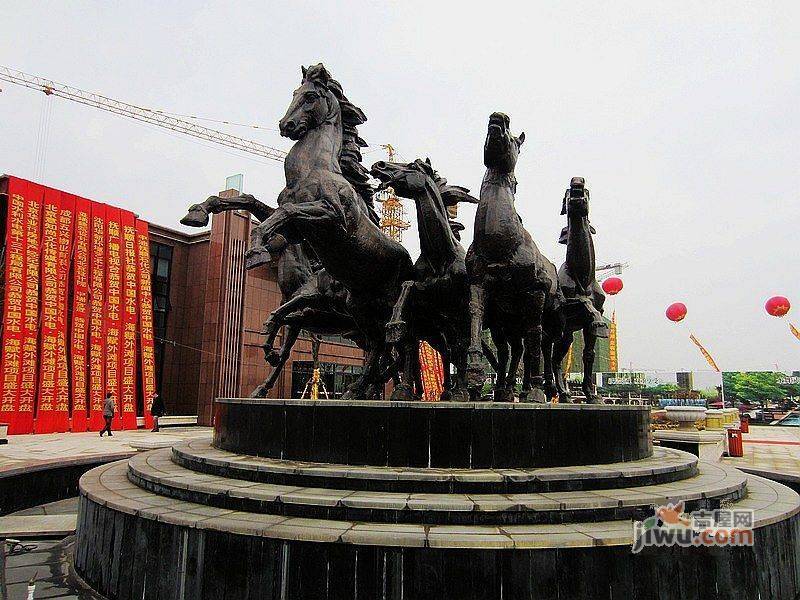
<point>664,466</point>
<point>155,471</point>
<point>107,488</point>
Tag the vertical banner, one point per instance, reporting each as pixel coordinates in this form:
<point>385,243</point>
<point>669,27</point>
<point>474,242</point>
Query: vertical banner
<point>45,417</point>
<point>30,331</point>
<point>431,371</point>
<point>113,307</point>
<point>80,312</point>
<point>96,320</point>
<point>146,320</point>
<point>65,219</point>
<point>129,324</point>
<point>13,306</point>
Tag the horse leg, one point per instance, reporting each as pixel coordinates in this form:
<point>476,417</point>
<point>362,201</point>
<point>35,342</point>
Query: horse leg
<point>476,376</point>
<point>513,366</point>
<point>405,390</point>
<point>270,328</point>
<point>501,343</point>
<point>397,328</point>
<point>534,347</point>
<point>548,347</point>
<point>198,213</point>
<point>588,387</point>
<point>560,348</point>
<point>286,349</point>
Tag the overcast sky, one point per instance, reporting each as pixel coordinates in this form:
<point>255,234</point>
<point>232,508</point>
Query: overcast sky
<point>683,119</point>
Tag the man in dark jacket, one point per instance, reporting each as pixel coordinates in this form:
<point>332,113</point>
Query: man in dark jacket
<point>157,409</point>
<point>108,413</point>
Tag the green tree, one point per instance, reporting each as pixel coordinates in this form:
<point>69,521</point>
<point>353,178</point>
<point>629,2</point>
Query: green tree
<point>753,386</point>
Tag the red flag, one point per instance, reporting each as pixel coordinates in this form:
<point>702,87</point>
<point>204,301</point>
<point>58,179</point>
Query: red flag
<point>147,352</point>
<point>80,312</point>
<point>48,363</point>
<point>96,320</point>
<point>65,220</point>
<point>129,321</point>
<point>113,311</point>
<point>13,307</point>
<point>30,341</point>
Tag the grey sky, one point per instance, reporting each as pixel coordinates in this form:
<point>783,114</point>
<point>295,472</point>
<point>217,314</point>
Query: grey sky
<point>683,119</point>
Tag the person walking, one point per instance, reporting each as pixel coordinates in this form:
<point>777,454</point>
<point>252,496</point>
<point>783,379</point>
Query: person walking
<point>108,414</point>
<point>157,410</point>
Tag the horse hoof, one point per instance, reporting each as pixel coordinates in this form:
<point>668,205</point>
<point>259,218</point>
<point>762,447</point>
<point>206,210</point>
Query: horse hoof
<point>538,396</point>
<point>196,217</point>
<point>260,391</point>
<point>255,257</point>
<point>272,357</point>
<point>459,395</point>
<point>504,395</point>
<point>446,396</point>
<point>403,393</point>
<point>564,399</point>
<point>396,331</point>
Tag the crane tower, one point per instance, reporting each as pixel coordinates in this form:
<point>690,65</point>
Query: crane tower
<point>393,215</point>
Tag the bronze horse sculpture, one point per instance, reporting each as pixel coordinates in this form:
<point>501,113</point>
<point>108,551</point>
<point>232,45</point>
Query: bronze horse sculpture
<point>326,202</point>
<point>433,306</point>
<point>582,308</point>
<point>512,283</point>
<point>312,300</point>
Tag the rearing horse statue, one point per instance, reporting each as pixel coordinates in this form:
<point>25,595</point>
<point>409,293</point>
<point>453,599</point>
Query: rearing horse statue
<point>432,306</point>
<point>582,308</point>
<point>512,283</point>
<point>312,300</point>
<point>320,205</point>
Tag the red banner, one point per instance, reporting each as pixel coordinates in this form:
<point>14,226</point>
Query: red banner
<point>48,364</point>
<point>65,219</point>
<point>96,320</point>
<point>13,306</point>
<point>30,331</point>
<point>80,312</point>
<point>113,307</point>
<point>129,313</point>
<point>146,320</point>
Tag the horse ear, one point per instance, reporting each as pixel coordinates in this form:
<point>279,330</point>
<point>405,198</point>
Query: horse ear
<point>428,160</point>
<point>521,138</point>
<point>303,70</point>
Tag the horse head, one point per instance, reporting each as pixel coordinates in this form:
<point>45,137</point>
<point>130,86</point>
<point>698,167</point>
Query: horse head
<point>576,199</point>
<point>501,150</point>
<point>575,205</point>
<point>313,103</point>
<point>408,180</point>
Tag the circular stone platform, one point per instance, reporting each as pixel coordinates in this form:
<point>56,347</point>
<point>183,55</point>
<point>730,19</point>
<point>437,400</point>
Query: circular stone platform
<point>202,522</point>
<point>433,434</point>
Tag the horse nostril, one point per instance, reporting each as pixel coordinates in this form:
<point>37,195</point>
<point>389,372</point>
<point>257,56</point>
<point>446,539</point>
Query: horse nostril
<point>290,125</point>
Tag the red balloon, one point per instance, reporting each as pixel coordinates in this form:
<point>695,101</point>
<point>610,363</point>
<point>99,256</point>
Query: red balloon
<point>612,286</point>
<point>676,311</point>
<point>778,306</point>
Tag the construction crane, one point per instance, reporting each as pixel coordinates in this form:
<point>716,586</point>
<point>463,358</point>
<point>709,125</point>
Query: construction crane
<point>138,113</point>
<point>393,215</point>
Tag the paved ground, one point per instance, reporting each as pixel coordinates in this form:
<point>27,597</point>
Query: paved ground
<point>28,451</point>
<point>771,449</point>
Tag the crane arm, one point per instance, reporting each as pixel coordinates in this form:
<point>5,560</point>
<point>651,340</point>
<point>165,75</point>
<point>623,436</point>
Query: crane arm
<point>138,113</point>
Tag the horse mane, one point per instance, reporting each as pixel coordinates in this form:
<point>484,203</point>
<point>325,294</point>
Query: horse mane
<point>451,194</point>
<point>350,154</point>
